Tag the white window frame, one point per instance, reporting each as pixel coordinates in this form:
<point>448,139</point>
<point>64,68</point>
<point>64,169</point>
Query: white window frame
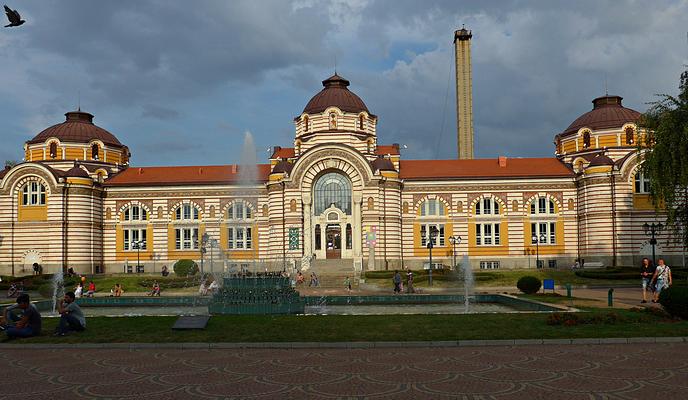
<point>184,238</point>
<point>549,228</point>
<point>131,235</point>
<point>487,234</point>
<point>487,206</point>
<point>187,212</point>
<point>641,184</point>
<point>239,210</point>
<point>542,206</point>
<point>33,194</point>
<point>135,213</point>
<point>439,240</point>
<point>240,238</point>
<point>432,208</point>
<point>489,265</point>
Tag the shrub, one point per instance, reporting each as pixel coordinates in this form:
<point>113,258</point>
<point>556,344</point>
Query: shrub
<point>529,284</point>
<point>185,268</point>
<point>170,282</point>
<point>675,301</point>
<point>46,290</point>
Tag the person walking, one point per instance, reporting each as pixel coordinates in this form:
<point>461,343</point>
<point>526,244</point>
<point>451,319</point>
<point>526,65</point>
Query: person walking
<point>663,278</point>
<point>347,284</point>
<point>397,281</point>
<point>647,273</point>
<point>409,281</point>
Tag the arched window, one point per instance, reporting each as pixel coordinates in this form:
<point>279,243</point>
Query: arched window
<point>332,189</point>
<point>292,205</point>
<point>239,210</point>
<point>642,183</point>
<point>586,139</point>
<point>186,212</point>
<point>94,151</point>
<point>432,207</point>
<point>542,205</point>
<point>53,150</point>
<point>240,230</point>
<point>33,194</point>
<point>361,122</point>
<point>135,213</point>
<point>629,135</point>
<point>305,123</point>
<point>333,120</point>
<point>487,206</point>
<point>371,204</point>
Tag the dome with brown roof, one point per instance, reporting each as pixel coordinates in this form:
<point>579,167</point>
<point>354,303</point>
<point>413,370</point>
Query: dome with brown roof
<point>335,94</point>
<point>76,172</point>
<point>77,128</point>
<point>607,112</point>
<point>382,164</point>
<point>600,160</point>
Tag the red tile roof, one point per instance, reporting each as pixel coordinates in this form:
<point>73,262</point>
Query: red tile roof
<point>186,175</point>
<point>283,152</point>
<point>384,150</point>
<point>483,169</point>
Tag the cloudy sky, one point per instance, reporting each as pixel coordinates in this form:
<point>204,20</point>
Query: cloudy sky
<point>180,82</point>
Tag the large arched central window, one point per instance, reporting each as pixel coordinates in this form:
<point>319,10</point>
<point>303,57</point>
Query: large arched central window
<point>332,188</point>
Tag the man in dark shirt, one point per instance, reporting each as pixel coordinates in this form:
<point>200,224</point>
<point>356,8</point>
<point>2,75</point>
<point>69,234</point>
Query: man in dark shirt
<point>647,270</point>
<point>28,322</point>
<point>71,316</point>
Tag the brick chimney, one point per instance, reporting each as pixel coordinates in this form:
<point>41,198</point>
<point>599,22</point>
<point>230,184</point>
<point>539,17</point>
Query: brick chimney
<point>502,161</point>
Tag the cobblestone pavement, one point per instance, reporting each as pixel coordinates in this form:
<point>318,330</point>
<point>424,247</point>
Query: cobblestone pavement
<point>642,371</point>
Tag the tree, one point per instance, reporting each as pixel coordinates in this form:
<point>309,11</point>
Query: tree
<point>666,157</point>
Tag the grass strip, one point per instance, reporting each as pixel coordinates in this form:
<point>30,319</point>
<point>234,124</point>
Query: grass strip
<point>353,328</point>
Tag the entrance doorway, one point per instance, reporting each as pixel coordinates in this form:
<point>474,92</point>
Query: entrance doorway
<point>333,241</point>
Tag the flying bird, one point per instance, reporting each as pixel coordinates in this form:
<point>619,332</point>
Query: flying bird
<point>14,17</point>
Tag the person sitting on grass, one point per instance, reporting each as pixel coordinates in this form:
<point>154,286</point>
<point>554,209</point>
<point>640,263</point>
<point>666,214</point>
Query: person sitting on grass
<point>155,291</point>
<point>117,291</point>
<point>21,320</point>
<point>79,290</point>
<point>203,290</point>
<point>71,316</point>
<point>91,289</point>
<point>165,271</point>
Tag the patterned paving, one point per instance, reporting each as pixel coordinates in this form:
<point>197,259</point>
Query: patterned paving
<point>644,371</point>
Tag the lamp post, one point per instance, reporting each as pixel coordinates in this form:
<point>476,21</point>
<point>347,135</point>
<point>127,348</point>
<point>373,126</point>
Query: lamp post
<point>204,243</point>
<point>537,242</point>
<point>137,244</point>
<point>213,243</point>
<point>653,229</point>
<point>431,244</point>
<point>455,241</point>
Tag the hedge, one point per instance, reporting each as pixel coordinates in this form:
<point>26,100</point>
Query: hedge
<point>529,284</point>
<point>185,268</point>
<point>675,301</point>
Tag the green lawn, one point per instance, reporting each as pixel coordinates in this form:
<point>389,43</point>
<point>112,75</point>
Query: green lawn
<point>361,328</point>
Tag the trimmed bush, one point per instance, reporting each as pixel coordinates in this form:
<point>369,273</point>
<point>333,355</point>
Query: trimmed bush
<point>529,284</point>
<point>675,301</point>
<point>185,268</point>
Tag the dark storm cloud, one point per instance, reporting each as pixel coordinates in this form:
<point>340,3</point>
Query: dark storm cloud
<point>215,69</point>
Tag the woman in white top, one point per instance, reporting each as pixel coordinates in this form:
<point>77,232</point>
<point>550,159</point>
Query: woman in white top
<point>663,278</point>
<point>79,290</point>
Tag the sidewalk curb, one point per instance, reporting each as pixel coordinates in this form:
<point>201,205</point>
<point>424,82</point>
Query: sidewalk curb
<point>344,345</point>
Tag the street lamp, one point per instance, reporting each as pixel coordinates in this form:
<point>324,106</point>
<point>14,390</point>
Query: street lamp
<point>537,242</point>
<point>455,241</point>
<point>653,229</point>
<point>138,244</point>
<point>430,245</point>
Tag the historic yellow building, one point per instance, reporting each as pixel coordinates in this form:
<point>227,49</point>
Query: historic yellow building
<point>336,194</point>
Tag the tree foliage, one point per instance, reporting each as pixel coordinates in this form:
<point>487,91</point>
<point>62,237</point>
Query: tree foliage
<point>666,156</point>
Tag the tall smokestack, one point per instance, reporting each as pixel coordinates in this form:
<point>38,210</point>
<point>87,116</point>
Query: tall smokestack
<point>464,93</point>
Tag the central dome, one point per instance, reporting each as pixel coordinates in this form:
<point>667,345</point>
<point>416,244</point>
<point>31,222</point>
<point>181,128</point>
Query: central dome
<point>77,128</point>
<point>335,94</point>
<point>607,112</point>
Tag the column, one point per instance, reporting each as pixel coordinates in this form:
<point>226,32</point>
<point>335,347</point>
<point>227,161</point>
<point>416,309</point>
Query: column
<point>356,225</point>
<point>307,232</point>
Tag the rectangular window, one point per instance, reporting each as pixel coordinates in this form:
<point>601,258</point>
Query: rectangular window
<point>552,233</point>
<point>478,208</point>
<point>187,211</point>
<point>552,263</point>
<point>489,265</point>
<point>487,234</point>
<point>423,236</point>
<point>135,213</point>
<point>487,206</point>
<point>127,239</point>
<point>548,231</point>
<point>249,239</point>
<point>432,207</point>
<point>134,235</point>
<point>542,203</point>
<point>532,208</point>
<point>239,241</point>
<point>230,236</point>
<point>177,239</point>
<point>440,235</point>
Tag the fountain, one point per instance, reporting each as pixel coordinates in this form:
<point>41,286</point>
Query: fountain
<point>468,281</point>
<point>58,287</point>
<point>271,293</point>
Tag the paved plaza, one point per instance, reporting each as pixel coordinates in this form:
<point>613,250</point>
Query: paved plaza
<point>610,371</point>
